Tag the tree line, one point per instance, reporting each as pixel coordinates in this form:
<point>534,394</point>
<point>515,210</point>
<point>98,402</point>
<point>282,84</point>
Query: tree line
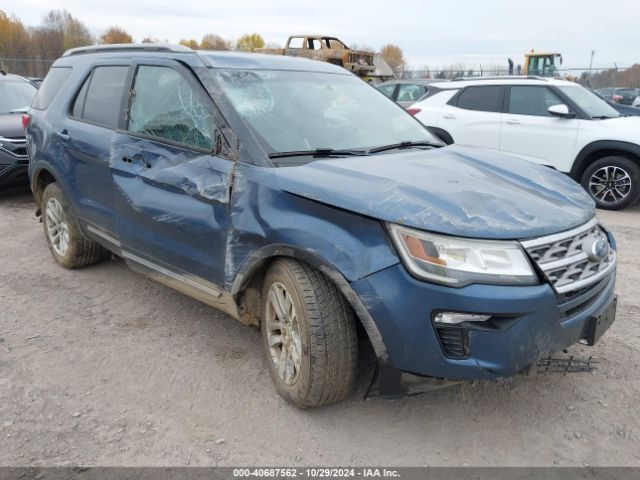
<point>628,77</point>
<point>30,50</point>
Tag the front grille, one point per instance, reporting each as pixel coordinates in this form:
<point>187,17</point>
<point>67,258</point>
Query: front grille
<point>454,341</point>
<point>575,302</point>
<point>14,146</point>
<point>566,260</point>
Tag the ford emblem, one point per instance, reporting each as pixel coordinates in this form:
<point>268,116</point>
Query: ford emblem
<point>596,249</point>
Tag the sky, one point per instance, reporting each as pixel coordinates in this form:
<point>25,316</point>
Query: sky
<point>431,33</point>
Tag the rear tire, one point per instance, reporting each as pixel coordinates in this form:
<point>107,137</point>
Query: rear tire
<point>613,182</point>
<point>70,247</point>
<point>309,335</point>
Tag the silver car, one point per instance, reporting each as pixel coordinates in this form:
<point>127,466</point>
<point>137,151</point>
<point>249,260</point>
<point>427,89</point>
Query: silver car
<point>406,92</point>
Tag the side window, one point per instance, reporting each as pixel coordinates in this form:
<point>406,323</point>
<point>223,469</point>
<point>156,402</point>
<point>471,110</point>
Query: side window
<point>98,101</point>
<point>296,42</point>
<point>51,85</point>
<point>334,43</point>
<point>483,99</point>
<point>388,89</point>
<point>78,104</point>
<point>315,44</point>
<point>165,105</point>
<point>410,93</point>
<point>531,100</point>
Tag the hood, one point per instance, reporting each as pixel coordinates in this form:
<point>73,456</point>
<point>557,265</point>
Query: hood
<point>630,125</point>
<point>453,190</point>
<point>627,110</point>
<point>367,53</point>
<point>11,126</point>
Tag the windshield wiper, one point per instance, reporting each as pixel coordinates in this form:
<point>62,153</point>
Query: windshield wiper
<point>601,117</point>
<point>401,145</point>
<point>319,152</point>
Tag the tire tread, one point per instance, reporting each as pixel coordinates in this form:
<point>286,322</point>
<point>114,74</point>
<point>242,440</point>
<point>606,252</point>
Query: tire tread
<point>333,346</point>
<point>82,250</point>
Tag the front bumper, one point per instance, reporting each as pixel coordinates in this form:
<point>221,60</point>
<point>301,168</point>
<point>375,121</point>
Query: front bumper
<point>541,323</point>
<point>13,169</point>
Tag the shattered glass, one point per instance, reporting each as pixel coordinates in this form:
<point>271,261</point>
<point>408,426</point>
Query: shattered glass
<point>165,105</point>
<point>291,110</point>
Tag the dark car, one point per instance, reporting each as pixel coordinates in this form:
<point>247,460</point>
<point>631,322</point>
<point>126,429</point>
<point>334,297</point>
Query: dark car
<point>16,94</point>
<point>624,96</point>
<point>406,92</point>
<point>291,195</point>
<point>628,95</point>
<point>625,110</point>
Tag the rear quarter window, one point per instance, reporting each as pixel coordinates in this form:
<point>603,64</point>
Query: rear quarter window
<point>52,84</point>
<point>483,99</point>
<point>98,100</point>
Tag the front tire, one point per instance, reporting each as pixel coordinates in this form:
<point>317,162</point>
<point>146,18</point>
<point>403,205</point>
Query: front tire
<point>613,182</point>
<point>70,247</point>
<point>309,335</point>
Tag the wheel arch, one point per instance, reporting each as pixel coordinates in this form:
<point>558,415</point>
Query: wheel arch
<point>43,175</point>
<point>600,149</point>
<point>247,286</point>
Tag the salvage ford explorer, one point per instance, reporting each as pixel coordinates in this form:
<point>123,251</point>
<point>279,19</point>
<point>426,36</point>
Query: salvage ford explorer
<point>295,197</point>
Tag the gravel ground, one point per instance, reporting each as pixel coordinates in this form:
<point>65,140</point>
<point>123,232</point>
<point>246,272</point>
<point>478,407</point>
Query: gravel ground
<point>102,366</point>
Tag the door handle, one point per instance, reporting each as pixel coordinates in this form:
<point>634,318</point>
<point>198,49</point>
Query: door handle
<point>450,116</point>
<point>63,135</point>
<point>513,121</point>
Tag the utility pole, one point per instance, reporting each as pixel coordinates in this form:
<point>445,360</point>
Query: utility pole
<point>593,52</point>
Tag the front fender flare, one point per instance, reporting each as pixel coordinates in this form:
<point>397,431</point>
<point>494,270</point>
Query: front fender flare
<point>260,258</point>
<point>582,158</point>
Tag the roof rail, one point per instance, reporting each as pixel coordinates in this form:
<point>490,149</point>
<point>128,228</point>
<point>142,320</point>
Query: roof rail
<point>128,47</point>
<point>500,77</point>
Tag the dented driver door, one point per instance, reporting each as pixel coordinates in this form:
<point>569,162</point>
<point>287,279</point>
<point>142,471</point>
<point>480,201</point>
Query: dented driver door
<point>172,177</point>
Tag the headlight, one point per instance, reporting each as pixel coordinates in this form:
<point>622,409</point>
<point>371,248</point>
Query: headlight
<point>458,261</point>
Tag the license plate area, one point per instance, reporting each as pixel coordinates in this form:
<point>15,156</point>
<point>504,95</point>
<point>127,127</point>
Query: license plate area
<point>598,324</point>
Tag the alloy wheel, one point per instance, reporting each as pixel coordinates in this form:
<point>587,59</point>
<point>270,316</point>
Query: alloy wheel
<point>57,227</point>
<point>610,185</point>
<point>283,333</point>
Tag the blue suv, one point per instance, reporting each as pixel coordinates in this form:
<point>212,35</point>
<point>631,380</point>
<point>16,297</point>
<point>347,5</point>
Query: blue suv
<point>295,197</point>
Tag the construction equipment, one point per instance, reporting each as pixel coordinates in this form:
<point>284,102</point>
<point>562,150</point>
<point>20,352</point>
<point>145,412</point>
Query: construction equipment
<point>541,64</point>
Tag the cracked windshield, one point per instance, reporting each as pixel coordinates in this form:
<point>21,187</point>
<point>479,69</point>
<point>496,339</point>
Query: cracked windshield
<point>291,111</point>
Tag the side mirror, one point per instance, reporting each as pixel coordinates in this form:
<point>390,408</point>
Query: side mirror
<point>560,110</point>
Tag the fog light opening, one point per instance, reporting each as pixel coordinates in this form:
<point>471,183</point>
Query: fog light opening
<point>455,318</point>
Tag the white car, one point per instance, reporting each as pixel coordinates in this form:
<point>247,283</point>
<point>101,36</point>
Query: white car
<point>553,122</point>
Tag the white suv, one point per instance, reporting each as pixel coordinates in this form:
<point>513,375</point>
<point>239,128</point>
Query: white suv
<point>553,122</point>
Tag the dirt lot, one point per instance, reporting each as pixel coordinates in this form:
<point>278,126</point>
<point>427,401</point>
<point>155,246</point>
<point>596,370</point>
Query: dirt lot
<point>103,367</point>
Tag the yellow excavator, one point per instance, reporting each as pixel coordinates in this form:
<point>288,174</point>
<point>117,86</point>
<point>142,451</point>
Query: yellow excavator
<point>542,64</point>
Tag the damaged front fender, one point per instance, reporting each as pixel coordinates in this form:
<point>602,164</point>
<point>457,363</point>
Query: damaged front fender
<point>264,217</point>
